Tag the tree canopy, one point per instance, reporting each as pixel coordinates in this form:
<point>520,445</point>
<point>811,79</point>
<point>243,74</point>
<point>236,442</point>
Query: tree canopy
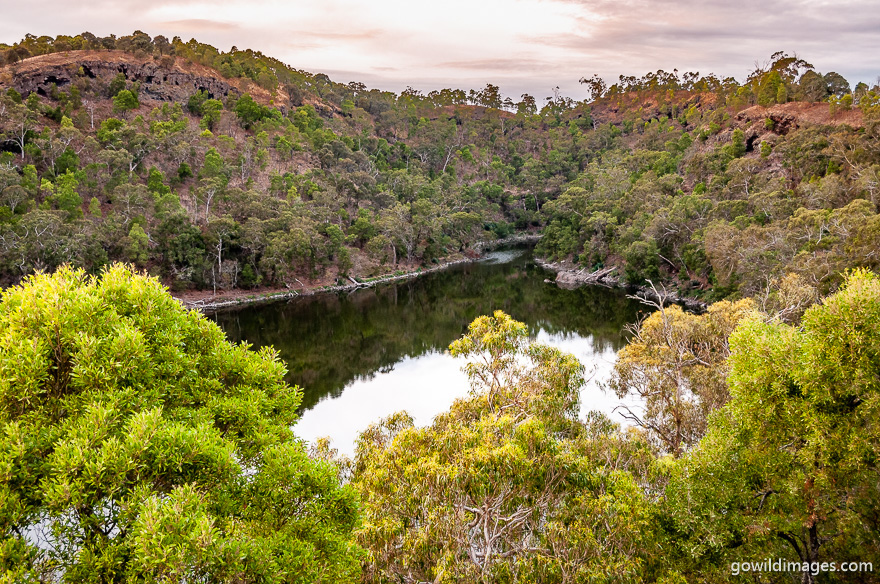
<point>789,467</point>
<point>508,485</point>
<point>670,177</point>
<point>136,444</point>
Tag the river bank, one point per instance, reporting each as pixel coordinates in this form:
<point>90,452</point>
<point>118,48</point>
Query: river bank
<point>207,302</point>
<point>570,276</point>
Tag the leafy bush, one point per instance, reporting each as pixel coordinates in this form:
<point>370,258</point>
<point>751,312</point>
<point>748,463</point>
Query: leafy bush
<point>146,448</point>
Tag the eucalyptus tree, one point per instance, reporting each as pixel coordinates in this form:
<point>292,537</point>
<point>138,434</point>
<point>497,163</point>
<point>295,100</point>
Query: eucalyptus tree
<point>137,445</point>
<point>507,485</point>
<point>788,469</point>
<point>676,363</point>
<point>17,121</point>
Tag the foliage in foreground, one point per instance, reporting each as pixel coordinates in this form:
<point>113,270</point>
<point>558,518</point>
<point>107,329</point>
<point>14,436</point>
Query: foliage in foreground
<point>676,364</point>
<point>136,444</point>
<point>790,467</point>
<point>507,486</point>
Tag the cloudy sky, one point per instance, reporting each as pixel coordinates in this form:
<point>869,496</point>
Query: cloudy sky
<point>520,45</point>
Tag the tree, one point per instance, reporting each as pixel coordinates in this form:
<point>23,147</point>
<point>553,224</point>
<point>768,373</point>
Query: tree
<point>137,445</point>
<point>489,96</point>
<point>117,85</point>
<point>66,196</point>
<point>436,141</point>
<point>130,201</point>
<point>527,105</point>
<point>212,111</point>
<point>16,121</point>
<point>250,112</point>
<point>219,235</point>
<point>789,467</point>
<point>837,85</point>
<point>812,87</point>
<point>676,363</point>
<point>767,87</point>
<point>125,101</point>
<point>214,166</point>
<point>596,87</point>
<point>788,297</point>
<point>641,261</point>
<point>90,107</point>
<point>507,486</point>
<point>137,246</point>
<point>196,102</point>
<point>208,189</point>
<point>397,224</point>
<point>12,194</point>
<point>737,146</point>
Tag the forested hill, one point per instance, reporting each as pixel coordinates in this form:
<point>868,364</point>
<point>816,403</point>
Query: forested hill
<point>232,170</point>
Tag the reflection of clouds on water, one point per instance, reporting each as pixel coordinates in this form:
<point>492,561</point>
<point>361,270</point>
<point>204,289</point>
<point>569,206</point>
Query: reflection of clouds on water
<point>423,386</point>
<point>427,385</point>
<point>599,364</point>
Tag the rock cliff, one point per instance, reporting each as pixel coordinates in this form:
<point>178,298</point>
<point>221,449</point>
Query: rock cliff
<point>165,79</point>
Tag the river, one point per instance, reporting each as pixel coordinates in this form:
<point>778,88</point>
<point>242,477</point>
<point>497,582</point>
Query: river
<point>362,355</point>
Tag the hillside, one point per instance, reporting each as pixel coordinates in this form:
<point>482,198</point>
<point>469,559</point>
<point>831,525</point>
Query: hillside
<point>226,171</point>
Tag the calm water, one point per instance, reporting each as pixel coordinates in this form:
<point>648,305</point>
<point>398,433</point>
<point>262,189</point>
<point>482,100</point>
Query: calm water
<point>363,355</point>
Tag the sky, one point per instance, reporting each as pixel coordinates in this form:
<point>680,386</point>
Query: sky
<point>523,46</point>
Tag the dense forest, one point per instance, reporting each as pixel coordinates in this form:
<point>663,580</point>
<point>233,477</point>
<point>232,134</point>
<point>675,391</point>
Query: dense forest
<point>232,170</point>
<point>138,445</point>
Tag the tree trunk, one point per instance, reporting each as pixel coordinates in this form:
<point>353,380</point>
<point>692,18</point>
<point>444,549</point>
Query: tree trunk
<point>219,261</point>
<point>812,553</point>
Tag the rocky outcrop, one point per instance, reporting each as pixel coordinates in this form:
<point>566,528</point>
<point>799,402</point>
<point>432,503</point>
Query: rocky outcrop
<point>790,116</point>
<point>165,79</point>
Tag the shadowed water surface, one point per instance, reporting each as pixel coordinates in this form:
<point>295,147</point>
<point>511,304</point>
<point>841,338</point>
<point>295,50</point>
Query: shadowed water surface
<point>362,355</point>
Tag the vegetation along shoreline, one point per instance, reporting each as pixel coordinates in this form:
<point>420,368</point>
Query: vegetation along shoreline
<point>224,301</point>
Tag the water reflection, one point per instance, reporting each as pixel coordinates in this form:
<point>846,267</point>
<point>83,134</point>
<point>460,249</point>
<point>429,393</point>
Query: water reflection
<point>423,386</point>
<point>362,355</point>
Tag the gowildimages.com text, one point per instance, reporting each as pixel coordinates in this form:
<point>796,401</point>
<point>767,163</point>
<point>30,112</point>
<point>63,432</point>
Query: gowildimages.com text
<point>783,565</point>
